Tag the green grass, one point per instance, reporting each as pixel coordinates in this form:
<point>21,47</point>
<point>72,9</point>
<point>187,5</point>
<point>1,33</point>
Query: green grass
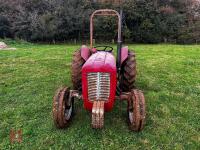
<point>169,75</point>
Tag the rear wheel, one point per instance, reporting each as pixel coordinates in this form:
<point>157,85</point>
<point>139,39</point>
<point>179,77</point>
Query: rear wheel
<point>136,110</point>
<point>77,63</point>
<point>62,108</point>
<point>128,73</point>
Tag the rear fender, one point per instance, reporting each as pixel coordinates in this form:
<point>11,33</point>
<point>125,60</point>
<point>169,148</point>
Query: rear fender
<point>85,52</point>
<point>124,54</point>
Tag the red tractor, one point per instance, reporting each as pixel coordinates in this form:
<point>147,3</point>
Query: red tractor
<point>99,79</point>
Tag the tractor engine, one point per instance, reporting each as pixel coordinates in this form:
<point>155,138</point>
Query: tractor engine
<point>99,80</point>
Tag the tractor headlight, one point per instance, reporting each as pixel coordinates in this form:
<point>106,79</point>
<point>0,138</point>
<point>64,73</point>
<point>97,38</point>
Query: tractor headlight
<point>98,86</point>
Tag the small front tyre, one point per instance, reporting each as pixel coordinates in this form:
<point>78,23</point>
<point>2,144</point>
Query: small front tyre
<point>62,108</point>
<point>136,111</point>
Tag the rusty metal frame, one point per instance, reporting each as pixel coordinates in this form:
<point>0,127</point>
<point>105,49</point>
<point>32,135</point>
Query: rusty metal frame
<point>104,12</point>
<point>124,96</point>
<point>98,114</point>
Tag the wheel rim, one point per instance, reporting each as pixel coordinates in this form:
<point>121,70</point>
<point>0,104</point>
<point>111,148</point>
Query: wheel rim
<point>68,113</point>
<point>130,114</point>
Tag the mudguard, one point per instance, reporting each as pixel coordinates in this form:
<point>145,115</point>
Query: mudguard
<point>85,52</point>
<point>124,54</point>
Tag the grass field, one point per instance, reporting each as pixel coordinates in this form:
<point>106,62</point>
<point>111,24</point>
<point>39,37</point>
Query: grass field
<point>169,75</point>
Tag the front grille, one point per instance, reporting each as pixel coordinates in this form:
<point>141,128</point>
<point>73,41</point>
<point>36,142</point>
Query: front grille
<point>98,86</point>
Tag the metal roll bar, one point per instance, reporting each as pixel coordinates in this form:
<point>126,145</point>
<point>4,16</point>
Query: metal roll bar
<point>105,12</point>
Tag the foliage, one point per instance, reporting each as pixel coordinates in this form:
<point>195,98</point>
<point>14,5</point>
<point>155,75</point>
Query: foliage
<point>145,21</point>
<point>5,30</point>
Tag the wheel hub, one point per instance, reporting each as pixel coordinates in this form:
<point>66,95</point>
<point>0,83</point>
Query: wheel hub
<point>130,117</point>
<point>68,113</point>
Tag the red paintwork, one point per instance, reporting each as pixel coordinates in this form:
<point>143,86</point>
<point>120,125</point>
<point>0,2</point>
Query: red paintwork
<point>100,62</point>
<point>124,54</point>
<point>85,52</point>
<point>94,50</point>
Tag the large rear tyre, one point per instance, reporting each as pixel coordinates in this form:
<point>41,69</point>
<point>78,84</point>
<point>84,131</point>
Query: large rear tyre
<point>136,111</point>
<point>77,64</point>
<point>62,108</point>
<point>128,73</point>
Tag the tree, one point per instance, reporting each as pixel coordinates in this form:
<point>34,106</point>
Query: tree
<point>145,21</point>
<point>5,30</point>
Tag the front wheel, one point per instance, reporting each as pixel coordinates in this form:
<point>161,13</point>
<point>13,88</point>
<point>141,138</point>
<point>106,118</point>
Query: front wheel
<point>136,110</point>
<point>62,108</point>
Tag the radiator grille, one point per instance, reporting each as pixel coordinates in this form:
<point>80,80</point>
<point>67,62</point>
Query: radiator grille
<point>98,86</point>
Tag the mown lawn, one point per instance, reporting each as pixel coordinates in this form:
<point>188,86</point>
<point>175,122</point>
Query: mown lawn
<point>169,75</point>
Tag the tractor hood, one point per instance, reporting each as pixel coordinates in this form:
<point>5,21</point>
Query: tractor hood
<point>100,62</point>
<point>99,79</point>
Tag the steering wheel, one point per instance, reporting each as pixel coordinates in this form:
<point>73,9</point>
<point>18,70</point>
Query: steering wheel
<point>104,48</point>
